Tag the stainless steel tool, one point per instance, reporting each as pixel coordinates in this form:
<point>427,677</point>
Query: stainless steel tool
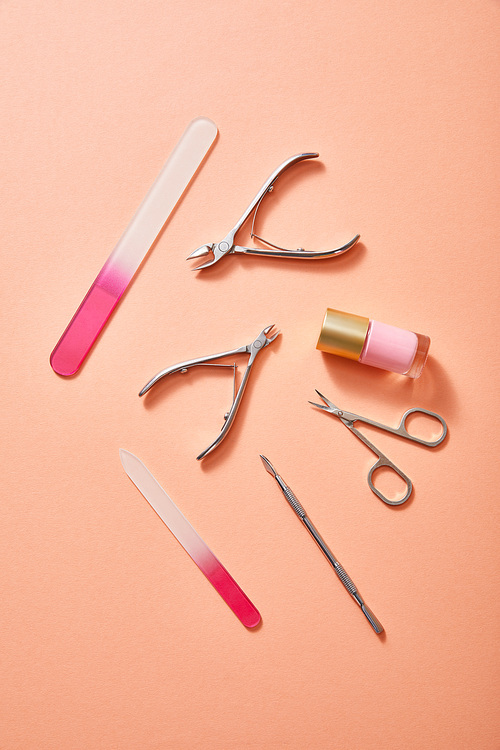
<point>252,349</point>
<point>219,250</point>
<point>348,419</point>
<point>339,570</point>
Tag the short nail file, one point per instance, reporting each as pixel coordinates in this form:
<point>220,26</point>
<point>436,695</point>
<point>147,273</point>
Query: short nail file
<point>119,269</point>
<point>190,540</point>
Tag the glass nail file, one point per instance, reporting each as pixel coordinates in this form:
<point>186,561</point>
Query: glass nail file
<point>194,545</point>
<point>119,269</point>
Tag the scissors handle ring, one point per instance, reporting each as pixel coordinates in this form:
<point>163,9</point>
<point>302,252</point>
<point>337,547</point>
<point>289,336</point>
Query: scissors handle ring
<point>384,461</point>
<point>402,430</point>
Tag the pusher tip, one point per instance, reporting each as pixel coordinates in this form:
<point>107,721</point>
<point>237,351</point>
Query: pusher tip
<point>268,465</point>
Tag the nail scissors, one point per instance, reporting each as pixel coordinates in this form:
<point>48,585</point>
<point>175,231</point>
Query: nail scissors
<point>252,349</point>
<point>348,419</point>
<point>226,246</point>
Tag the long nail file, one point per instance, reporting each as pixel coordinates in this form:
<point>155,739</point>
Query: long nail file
<point>119,269</point>
<point>194,545</point>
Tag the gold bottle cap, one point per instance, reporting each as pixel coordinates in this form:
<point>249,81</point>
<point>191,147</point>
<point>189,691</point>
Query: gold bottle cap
<point>343,334</point>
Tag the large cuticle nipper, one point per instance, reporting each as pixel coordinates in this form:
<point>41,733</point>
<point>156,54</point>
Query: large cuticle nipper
<point>349,419</point>
<point>253,350</point>
<point>219,250</point>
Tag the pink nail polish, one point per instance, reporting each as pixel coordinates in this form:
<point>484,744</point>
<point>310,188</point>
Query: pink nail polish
<point>373,343</point>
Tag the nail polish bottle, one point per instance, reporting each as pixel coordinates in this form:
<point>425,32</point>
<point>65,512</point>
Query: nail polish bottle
<point>373,343</point>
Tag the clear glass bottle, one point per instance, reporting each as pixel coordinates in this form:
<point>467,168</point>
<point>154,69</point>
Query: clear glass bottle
<point>373,343</point>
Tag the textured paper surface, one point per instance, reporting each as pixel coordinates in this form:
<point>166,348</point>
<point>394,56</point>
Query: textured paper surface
<point>110,637</point>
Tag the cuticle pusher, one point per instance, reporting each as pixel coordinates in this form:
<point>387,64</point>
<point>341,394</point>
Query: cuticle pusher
<point>339,570</point>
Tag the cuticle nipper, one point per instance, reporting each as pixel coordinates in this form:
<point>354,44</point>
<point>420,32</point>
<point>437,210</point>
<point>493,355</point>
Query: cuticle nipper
<point>227,246</point>
<point>252,349</point>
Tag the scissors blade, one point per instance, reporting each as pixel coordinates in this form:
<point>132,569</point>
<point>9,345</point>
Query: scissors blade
<point>319,406</point>
<point>332,409</point>
<point>330,404</point>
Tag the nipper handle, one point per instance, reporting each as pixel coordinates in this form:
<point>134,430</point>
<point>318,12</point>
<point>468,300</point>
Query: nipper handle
<point>184,366</point>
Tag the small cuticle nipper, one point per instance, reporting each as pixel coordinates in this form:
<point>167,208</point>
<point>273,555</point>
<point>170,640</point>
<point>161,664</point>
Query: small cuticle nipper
<point>226,246</point>
<point>252,349</point>
<point>348,419</point>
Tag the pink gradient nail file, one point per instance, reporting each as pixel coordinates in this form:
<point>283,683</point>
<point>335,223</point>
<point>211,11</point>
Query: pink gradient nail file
<point>119,269</point>
<point>190,540</point>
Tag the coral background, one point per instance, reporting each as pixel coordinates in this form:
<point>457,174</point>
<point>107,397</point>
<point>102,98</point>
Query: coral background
<point>111,638</point>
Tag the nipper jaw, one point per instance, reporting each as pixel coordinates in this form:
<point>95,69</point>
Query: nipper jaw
<point>219,250</point>
<point>260,343</point>
<point>253,350</point>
